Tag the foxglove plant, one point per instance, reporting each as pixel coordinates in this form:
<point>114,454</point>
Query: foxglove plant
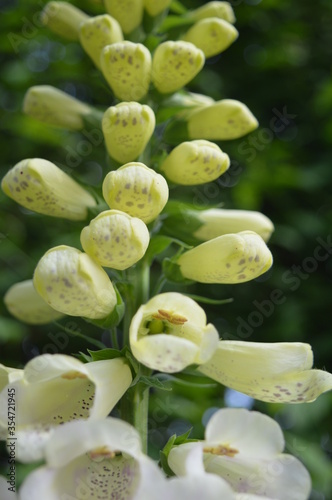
<point>157,134</point>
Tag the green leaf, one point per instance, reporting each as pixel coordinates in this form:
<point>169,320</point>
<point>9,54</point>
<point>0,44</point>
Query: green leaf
<point>172,22</point>
<point>177,7</point>
<point>173,441</point>
<point>172,271</point>
<point>176,131</point>
<point>105,354</point>
<point>132,360</point>
<point>160,243</point>
<point>83,357</point>
<point>154,382</point>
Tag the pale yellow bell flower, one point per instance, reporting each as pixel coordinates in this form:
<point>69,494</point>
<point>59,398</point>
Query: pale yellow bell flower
<point>223,120</point>
<point>175,64</point>
<point>26,305</point>
<point>127,69</point>
<point>222,10</point>
<point>115,239</point>
<point>276,372</point>
<point>137,190</point>
<point>127,128</point>
<point>42,187</point>
<point>195,162</point>
<point>129,13</point>
<point>54,107</point>
<point>219,221</point>
<point>64,19</point>
<point>169,332</point>
<point>98,32</point>
<point>155,7</point>
<point>73,283</point>
<point>211,35</point>
<point>231,258</point>
<point>57,388</point>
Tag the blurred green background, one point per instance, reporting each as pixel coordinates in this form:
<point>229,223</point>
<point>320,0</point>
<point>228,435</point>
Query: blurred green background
<point>280,67</point>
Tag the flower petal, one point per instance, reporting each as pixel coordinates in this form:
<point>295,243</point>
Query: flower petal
<point>128,13</point>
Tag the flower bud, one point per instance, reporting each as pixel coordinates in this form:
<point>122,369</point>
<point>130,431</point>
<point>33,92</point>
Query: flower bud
<point>127,69</point>
<point>231,258</point>
<point>155,7</point>
<point>115,239</point>
<point>218,221</point>
<point>73,283</point>
<point>96,33</point>
<point>175,64</point>
<point>44,188</point>
<point>224,120</point>
<point>25,304</point>
<point>63,19</point>
<point>54,107</point>
<point>129,13</point>
<point>222,10</point>
<point>211,35</point>
<point>170,332</point>
<point>137,190</point>
<point>127,128</point>
<point>195,162</point>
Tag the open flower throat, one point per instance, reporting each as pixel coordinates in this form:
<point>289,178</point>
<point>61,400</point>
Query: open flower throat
<point>164,322</point>
<point>223,450</point>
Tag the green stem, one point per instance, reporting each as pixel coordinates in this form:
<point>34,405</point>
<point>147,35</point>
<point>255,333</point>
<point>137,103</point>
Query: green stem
<point>141,413</point>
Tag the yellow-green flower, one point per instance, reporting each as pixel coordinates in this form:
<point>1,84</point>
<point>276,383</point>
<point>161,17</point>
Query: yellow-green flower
<point>223,120</point>
<point>231,258</point>
<point>115,239</point>
<point>212,35</point>
<point>127,128</point>
<point>96,33</point>
<point>137,190</point>
<point>129,13</point>
<point>170,332</point>
<point>155,7</point>
<point>73,283</point>
<point>63,19</point>
<point>25,304</point>
<point>222,10</point>
<point>195,162</point>
<point>54,107</point>
<point>175,64</point>
<point>219,221</point>
<point>42,187</point>
<point>127,69</point>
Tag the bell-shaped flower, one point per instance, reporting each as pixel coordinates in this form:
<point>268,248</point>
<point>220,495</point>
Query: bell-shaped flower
<point>156,7</point>
<point>115,239</point>
<point>57,388</point>
<point>25,304</point>
<point>73,283</point>
<point>63,19</point>
<point>195,162</point>
<point>127,128</point>
<point>245,448</point>
<point>129,13</point>
<point>169,332</point>
<point>223,120</point>
<point>175,64</point>
<point>42,187</point>
<point>97,32</point>
<point>275,372</point>
<point>127,69</point>
<point>212,35</point>
<point>94,459</point>
<point>218,221</point>
<point>54,107</point>
<point>222,10</point>
<point>136,190</point>
<point>7,376</point>
<point>231,258</point>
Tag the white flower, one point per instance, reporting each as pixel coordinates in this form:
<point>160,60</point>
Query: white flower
<point>8,487</point>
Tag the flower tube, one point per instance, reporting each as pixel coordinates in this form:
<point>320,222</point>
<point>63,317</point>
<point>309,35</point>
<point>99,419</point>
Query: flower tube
<point>129,13</point>
<point>156,7</point>
<point>64,19</point>
<point>222,10</point>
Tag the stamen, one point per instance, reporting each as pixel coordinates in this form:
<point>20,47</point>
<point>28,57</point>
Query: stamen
<point>222,450</point>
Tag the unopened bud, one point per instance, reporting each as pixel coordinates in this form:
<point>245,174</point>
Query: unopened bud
<point>63,19</point>
<point>211,35</point>
<point>129,13</point>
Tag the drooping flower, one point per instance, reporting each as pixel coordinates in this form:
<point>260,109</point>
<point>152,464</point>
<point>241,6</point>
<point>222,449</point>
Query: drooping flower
<point>98,32</point>
<point>169,332</point>
<point>115,239</point>
<point>73,283</point>
<point>222,10</point>
<point>64,19</point>
<point>58,388</point>
<point>175,64</point>
<point>212,35</point>
<point>231,258</point>
<point>245,448</point>
<point>275,372</point>
<point>195,162</point>
<point>129,13</point>
<point>136,190</point>
<point>25,304</point>
<point>42,187</point>
<point>156,7</point>
<point>127,128</point>
<point>127,69</point>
